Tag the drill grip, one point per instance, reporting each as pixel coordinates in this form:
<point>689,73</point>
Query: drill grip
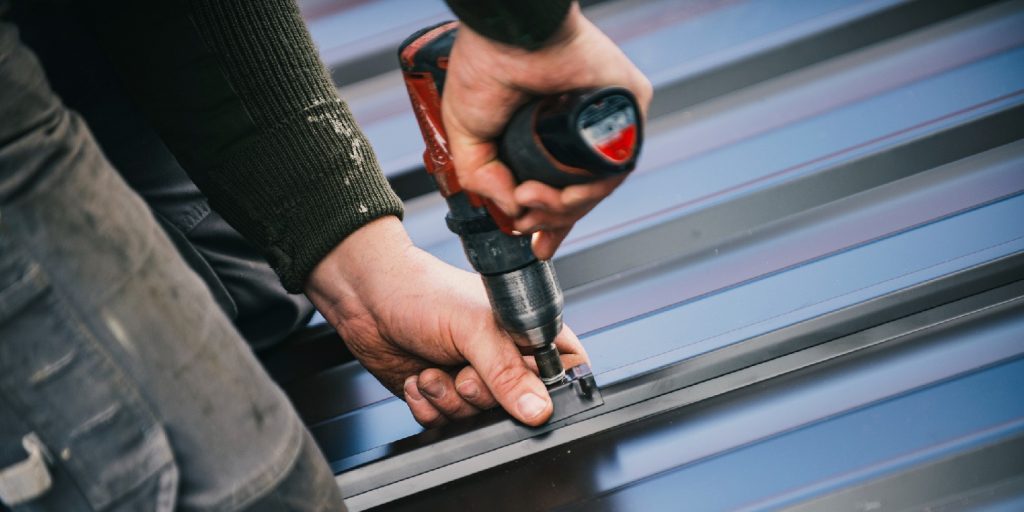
<point>575,137</point>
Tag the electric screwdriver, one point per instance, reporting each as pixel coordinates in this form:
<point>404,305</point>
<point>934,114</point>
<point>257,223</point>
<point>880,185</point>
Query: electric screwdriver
<point>560,140</point>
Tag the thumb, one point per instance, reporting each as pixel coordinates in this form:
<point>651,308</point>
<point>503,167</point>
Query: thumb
<point>514,386</point>
<point>480,172</point>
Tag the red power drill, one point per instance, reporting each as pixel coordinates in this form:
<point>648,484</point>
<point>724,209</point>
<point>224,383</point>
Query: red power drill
<point>574,137</point>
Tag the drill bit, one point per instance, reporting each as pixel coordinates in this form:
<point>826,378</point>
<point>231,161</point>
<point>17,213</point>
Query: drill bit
<point>549,365</point>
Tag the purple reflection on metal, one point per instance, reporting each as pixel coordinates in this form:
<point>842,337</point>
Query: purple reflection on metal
<point>944,191</point>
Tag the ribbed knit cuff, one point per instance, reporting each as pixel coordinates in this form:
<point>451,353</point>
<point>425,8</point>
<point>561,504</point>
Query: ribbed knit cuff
<point>524,23</point>
<point>301,189</point>
<point>307,178</point>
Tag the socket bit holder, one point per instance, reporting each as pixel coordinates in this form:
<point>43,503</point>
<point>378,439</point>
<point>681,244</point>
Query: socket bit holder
<point>576,393</point>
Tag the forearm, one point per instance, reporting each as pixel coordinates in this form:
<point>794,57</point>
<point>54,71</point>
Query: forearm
<point>527,24</point>
<point>238,93</point>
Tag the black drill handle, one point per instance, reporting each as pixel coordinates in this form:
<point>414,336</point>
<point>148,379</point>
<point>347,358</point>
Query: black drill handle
<point>575,137</point>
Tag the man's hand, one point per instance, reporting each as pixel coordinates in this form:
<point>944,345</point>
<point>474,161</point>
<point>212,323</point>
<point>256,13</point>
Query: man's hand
<point>487,81</point>
<point>414,322</point>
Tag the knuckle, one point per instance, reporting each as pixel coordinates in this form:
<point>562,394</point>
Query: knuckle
<point>451,409</point>
<point>645,88</point>
<point>439,421</point>
<point>561,207</point>
<point>465,410</point>
<point>466,177</point>
<point>506,378</point>
<point>561,223</point>
<point>427,418</point>
<point>482,401</point>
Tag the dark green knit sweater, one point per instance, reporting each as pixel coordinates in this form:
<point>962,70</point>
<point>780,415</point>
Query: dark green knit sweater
<point>238,93</point>
<point>524,23</point>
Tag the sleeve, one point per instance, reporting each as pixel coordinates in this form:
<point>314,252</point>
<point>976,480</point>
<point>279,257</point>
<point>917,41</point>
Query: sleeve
<point>524,23</point>
<point>237,91</point>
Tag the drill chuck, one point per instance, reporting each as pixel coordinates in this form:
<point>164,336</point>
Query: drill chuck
<point>549,365</point>
<point>527,302</point>
<point>524,291</point>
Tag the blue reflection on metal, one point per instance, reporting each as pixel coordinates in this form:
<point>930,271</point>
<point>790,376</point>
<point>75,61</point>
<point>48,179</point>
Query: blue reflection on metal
<point>896,112</point>
<point>943,191</point>
<point>825,285</point>
<point>735,31</point>
<point>758,455</point>
<point>808,146</point>
<point>770,303</point>
<point>701,36</point>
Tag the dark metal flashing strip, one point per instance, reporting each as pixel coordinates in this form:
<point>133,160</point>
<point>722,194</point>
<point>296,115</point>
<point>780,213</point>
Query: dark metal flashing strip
<point>966,481</point>
<point>574,467</point>
<point>704,230</point>
<point>1005,300</point>
<point>439,456</point>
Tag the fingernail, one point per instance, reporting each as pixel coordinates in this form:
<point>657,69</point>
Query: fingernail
<point>468,389</point>
<point>534,204</point>
<point>434,389</point>
<point>411,390</point>
<point>531,406</point>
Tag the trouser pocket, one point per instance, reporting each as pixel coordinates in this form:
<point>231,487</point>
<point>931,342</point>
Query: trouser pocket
<point>58,384</point>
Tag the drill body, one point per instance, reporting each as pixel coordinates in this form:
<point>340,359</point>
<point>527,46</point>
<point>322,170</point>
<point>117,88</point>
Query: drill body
<point>523,291</point>
<point>575,137</point>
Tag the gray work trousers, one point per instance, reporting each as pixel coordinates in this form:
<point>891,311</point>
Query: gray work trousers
<point>114,356</point>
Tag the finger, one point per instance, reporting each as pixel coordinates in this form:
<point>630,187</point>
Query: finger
<point>551,229</point>
<point>589,194</point>
<point>569,344</point>
<point>569,348</point>
<point>439,389</point>
<point>539,196</point>
<point>552,209</point>
<point>474,110</point>
<point>469,384</point>
<point>491,179</point>
<point>539,220</point>
<point>477,166</point>
<point>545,243</point>
<point>424,412</point>
<point>643,90</point>
<point>514,386</point>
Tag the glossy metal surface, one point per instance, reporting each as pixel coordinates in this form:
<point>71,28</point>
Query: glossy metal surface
<point>802,162</point>
<point>850,422</point>
<point>440,457</point>
<point>826,256</point>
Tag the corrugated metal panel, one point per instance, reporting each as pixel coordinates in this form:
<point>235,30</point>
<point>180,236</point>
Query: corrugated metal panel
<point>805,159</point>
